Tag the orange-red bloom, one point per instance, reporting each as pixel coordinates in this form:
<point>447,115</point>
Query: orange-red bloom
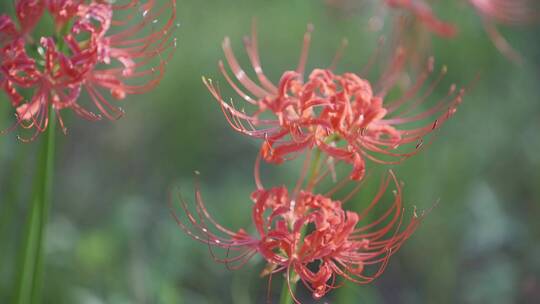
<point>309,234</point>
<point>90,52</point>
<point>345,115</point>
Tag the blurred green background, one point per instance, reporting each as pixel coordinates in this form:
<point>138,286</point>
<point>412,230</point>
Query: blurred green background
<point>111,238</point>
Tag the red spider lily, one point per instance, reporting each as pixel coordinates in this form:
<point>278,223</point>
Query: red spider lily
<point>512,13</point>
<point>91,52</point>
<point>309,234</point>
<point>346,116</point>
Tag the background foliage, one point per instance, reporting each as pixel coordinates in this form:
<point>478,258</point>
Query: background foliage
<point>111,238</point>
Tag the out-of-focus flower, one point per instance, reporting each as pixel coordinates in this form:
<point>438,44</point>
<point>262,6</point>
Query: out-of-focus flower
<point>345,115</point>
<point>492,12</point>
<point>510,13</point>
<point>90,52</point>
<point>421,10</point>
<point>309,234</point>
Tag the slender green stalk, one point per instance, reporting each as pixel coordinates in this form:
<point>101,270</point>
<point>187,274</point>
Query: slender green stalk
<point>315,167</point>
<point>286,294</point>
<point>286,291</point>
<point>31,267</point>
<point>30,275</point>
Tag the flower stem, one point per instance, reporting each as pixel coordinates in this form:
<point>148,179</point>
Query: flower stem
<point>289,287</point>
<point>315,167</point>
<point>31,266</point>
<point>286,294</point>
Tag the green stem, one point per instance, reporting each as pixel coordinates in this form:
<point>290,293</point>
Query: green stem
<point>286,294</point>
<point>31,268</point>
<point>315,167</point>
<point>286,291</point>
<point>30,275</point>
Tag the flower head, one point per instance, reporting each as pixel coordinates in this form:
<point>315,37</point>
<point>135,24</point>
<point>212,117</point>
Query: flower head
<point>309,234</point>
<point>347,116</point>
<point>91,51</point>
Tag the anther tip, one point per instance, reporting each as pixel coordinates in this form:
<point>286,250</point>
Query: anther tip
<point>444,69</point>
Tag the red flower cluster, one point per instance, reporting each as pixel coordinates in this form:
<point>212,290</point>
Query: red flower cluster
<point>346,116</point>
<point>91,51</point>
<point>329,118</point>
<point>309,234</point>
